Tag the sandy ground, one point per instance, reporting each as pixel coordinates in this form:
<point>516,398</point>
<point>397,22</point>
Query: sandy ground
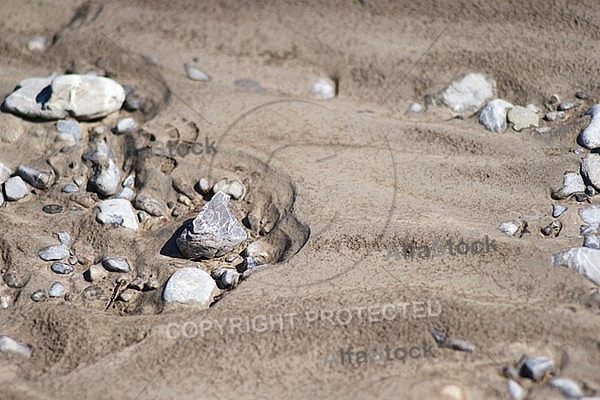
<point>345,177</point>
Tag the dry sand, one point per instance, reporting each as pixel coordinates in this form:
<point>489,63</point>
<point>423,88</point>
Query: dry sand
<point>350,174</point>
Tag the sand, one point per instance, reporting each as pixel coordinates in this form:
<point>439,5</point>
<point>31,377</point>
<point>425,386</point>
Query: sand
<point>344,178</point>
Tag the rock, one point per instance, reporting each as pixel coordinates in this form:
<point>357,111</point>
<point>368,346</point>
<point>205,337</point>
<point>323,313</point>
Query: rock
<point>554,115</point>
<point>451,343</point>
<point>36,178</point>
<point>203,186</point>
<point>590,191</point>
<point>533,108</point>
<point>591,241</point>
<point>1,196</point>
<point>558,210</point>
<point>85,97</point>
<point>62,268</point>
<point>73,260</point>
<point>590,136</point>
<point>30,98</point>
<point>5,301</point>
<point>566,105</point>
<point>583,260</point>
<point>142,216</point>
<point>129,181</point>
<point>132,100</point>
<point>151,206</point>
<point>250,85</point>
<point>190,286</point>
<point>126,193</point>
<point>469,93</point>
<point>553,229</point>
<point>16,278</point>
<point>590,169</point>
<point>522,118</point>
<point>415,108</point>
<point>543,129</point>
<point>106,178</point>
<point>213,233</point>
<point>226,278</point>
<point>493,115</point>
<point>115,264</point>
<point>70,188</point>
<point>182,187</point>
<point>64,238</point>
<point>125,125</point>
<point>510,228</point>
<point>249,263</point>
<point>233,188</point>
<point>69,127</point>
<point>56,290</point>
<point>127,295</point>
<point>96,273</point>
<point>37,43</point>
<point>5,173</point>
<point>572,183</point>
<point>117,211</point>
<point>568,387</point>
<point>38,295</point>
<point>137,283</point>
<point>53,253</point>
<point>52,208</point>
<point>15,189</point>
<point>9,345</point>
<point>323,89</point>
<point>591,215</point>
<point>536,367</point>
<point>582,95</point>
<point>195,74</point>
<point>515,390</point>
<point>84,199</point>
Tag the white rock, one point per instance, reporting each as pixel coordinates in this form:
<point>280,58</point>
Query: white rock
<point>323,89</point>
<point>15,188</point>
<point>515,390</point>
<point>591,241</point>
<point>31,97</point>
<point>533,107</point>
<point>37,43</point>
<point>12,346</point>
<point>591,215</point>
<point>64,238</point>
<point>106,178</point>
<point>522,118</point>
<point>5,301</point>
<point>117,211</point>
<point>554,115</point>
<point>415,108</point>
<point>125,125</point>
<point>1,196</point>
<point>233,188</point>
<point>583,260</point>
<point>568,387</point>
<point>86,97</point>
<point>36,178</point>
<point>195,74</point>
<point>69,127</point>
<point>469,93</point>
<point>116,264</point>
<point>5,173</point>
<point>54,253</point>
<point>56,290</point>
<point>509,228</point>
<point>190,285</point>
<point>558,210</point>
<point>129,181</point>
<point>590,169</point>
<point>572,183</point>
<point>203,185</point>
<point>590,136</point>
<point>493,115</point>
<point>126,193</point>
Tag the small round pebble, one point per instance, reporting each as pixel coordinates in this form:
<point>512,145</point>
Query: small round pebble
<point>52,208</point>
<point>176,212</point>
<point>203,185</point>
<point>415,108</point>
<point>116,264</point>
<point>62,268</point>
<point>70,188</point>
<point>56,290</point>
<point>195,74</point>
<point>125,125</point>
<point>73,260</point>
<point>38,295</point>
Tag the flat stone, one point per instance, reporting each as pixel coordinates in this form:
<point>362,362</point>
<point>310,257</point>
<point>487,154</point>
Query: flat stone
<point>214,232</point>
<point>62,268</point>
<point>70,188</point>
<point>38,179</point>
<point>69,127</point>
<point>493,115</point>
<point>522,118</point>
<point>536,367</point>
<point>56,290</point>
<point>96,273</point>
<point>38,295</point>
<point>115,264</point>
<point>190,286</point>
<point>250,85</point>
<point>572,184</point>
<point>37,43</point>
<point>233,188</point>
<point>9,345</point>
<point>5,173</point>
<point>117,211</point>
<point>583,260</point>
<point>15,189</point>
<point>53,253</point>
<point>64,238</point>
<point>30,98</point>
<point>415,108</point>
<point>323,89</point>
<point>195,74</point>
<point>52,208</point>
<point>590,136</point>
<point>151,206</point>
<point>469,93</point>
<point>566,105</point>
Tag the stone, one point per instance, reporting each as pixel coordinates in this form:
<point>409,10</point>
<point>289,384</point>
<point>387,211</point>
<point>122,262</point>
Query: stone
<point>62,268</point>
<point>56,290</point>
<point>591,241</point>
<point>469,93</point>
<point>591,215</point>
<point>568,387</point>
<point>213,233</point>
<point>533,108</point>
<point>54,253</point>
<point>522,118</point>
<point>536,367</point>
<point>129,181</point>
<point>515,390</point>
<point>558,210</point>
<point>493,115</point>
<point>37,43</point>
<point>64,238</point>
<point>52,208</point>
<point>572,184</point>
<point>30,98</point>
<point>566,105</point>
<point>69,127</point>
<point>203,185</point>
<point>590,169</point>
<point>38,295</point>
<point>73,260</point>
<point>590,136</point>
<point>554,115</point>
<point>5,173</point>
<point>85,97</point>
<point>126,193</point>
<point>414,108</point>
<point>11,128</point>
<point>70,188</point>
<point>543,129</point>
<point>106,178</point>
<point>124,125</point>
<point>5,301</point>
<point>1,196</point>
<point>582,95</point>
<point>115,264</point>
<point>195,74</point>
<point>38,179</point>
<point>96,273</point>
<point>132,100</point>
<point>509,228</point>
<point>142,216</point>
<point>117,211</point>
<point>583,260</point>
<point>151,206</point>
<point>250,85</point>
<point>190,286</point>
<point>233,188</point>
<point>15,189</point>
<point>323,89</point>
<point>9,345</point>
<point>16,278</point>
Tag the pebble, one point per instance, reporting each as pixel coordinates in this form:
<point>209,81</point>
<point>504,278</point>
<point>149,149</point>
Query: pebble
<point>142,216</point>
<point>15,189</point>
<point>572,183</point>
<point>414,108</point>
<point>151,284</point>
<point>64,238</point>
<point>591,215</point>
<point>590,136</point>
<point>323,89</point>
<point>132,100</point>
<point>451,343</point>
<point>515,390</point>
<point>190,286</point>
<point>469,93</point>
<point>16,279</point>
<point>12,346</point>
<point>203,185</point>
<point>591,241</point>
<point>184,189</point>
<point>582,95</point>
<point>62,268</point>
<point>249,84</point>
<point>69,127</point>
<point>553,229</point>
<point>115,264</point>
<point>52,208</point>
<point>126,193</point>
<point>84,199</point>
<point>522,118</point>
<point>533,108</point>
<point>583,260</point>
<point>38,295</point>
<point>493,115</point>
<point>117,211</point>
<point>56,290</point>
<point>127,295</point>
<point>568,387</point>
<point>96,273</point>
<point>70,188</point>
<point>249,263</point>
<point>36,178</point>
<point>53,253</point>
<point>129,181</point>
<point>231,258</point>
<point>536,367</point>
<point>151,206</point>
<point>5,173</point>
<point>232,188</point>
<point>137,283</point>
<point>5,301</point>
<point>106,178</point>
<point>558,210</point>
<point>554,115</point>
<point>37,43</point>
<point>543,129</point>
<point>30,99</point>
<point>125,125</point>
<point>176,213</point>
<point>183,199</point>
<point>1,196</point>
<point>566,105</point>
<point>195,74</point>
<point>73,260</point>
<point>213,233</point>
<point>509,228</point>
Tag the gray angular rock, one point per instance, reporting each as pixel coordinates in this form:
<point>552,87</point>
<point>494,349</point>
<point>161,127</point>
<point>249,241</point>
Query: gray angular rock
<point>5,173</point>
<point>116,264</point>
<point>590,136</point>
<point>591,215</point>
<point>591,241</point>
<point>126,193</point>
<point>522,118</point>
<point>493,115</point>
<point>62,268</point>
<point>558,210</point>
<point>190,286</point>
<point>536,367</point>
<point>69,127</point>
<point>54,253</point>
<point>38,179</point>
<point>469,93</point>
<point>15,188</point>
<point>195,74</point>
<point>213,233</point>
<point>64,238</point>
<point>151,206</point>
<point>583,260</point>
<point>117,211</point>
<point>9,345</point>
<point>30,98</point>
<point>572,184</point>
<point>56,290</point>
<point>106,178</point>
